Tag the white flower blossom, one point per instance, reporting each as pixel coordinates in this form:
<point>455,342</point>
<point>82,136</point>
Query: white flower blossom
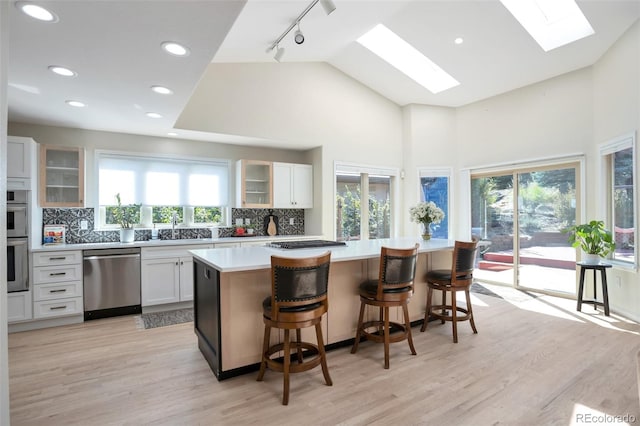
<point>426,212</point>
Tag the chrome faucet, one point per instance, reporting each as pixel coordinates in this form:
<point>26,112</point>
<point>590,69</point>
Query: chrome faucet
<point>174,222</point>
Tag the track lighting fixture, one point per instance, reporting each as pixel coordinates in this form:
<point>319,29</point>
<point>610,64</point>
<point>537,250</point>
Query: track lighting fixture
<point>328,6</point>
<point>298,37</point>
<point>279,53</point>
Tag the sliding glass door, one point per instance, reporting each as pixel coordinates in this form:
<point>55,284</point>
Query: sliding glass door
<point>519,216</point>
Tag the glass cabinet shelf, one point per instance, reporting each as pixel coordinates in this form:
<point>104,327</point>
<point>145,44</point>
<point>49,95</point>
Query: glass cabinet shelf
<point>61,176</point>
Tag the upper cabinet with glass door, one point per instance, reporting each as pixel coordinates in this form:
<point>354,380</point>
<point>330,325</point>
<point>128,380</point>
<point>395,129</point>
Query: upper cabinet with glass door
<point>61,176</point>
<point>254,182</point>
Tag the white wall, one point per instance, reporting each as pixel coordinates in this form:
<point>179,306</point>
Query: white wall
<point>430,142</point>
<point>4,353</point>
<point>551,118</point>
<point>311,103</point>
<point>616,106</point>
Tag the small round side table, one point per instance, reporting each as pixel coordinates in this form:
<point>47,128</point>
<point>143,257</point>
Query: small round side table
<point>602,267</point>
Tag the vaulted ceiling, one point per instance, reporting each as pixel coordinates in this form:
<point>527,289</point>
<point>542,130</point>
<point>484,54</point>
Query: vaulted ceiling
<point>114,46</point>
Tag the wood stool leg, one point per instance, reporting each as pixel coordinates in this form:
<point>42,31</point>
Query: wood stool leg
<point>595,290</point>
<point>580,289</point>
<point>354,349</point>
<point>287,364</point>
<point>427,313</point>
<point>298,340</point>
<point>407,323</point>
<point>605,291</point>
<point>323,355</point>
<point>454,316</point>
<point>386,337</point>
<point>380,324</point>
<point>470,309</point>
<point>265,348</point>
<point>444,302</point>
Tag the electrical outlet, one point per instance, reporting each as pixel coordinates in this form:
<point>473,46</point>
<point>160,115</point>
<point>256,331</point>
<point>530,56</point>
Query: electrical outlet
<point>292,221</point>
<point>84,225</point>
<point>618,281</point>
<point>239,222</point>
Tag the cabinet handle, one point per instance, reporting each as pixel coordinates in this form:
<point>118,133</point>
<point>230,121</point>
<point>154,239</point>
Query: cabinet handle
<point>55,274</point>
<point>181,262</point>
<point>176,263</point>
<point>62,290</point>
<point>54,308</point>
<point>58,258</point>
<point>207,274</point>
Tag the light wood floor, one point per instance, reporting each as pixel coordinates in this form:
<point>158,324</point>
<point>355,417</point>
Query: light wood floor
<point>532,363</point>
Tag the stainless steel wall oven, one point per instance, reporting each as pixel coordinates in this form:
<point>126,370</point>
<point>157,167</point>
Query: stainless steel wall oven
<point>17,241</point>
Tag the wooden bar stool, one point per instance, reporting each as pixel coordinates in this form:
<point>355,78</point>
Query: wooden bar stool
<point>394,287</point>
<point>298,300</point>
<point>459,278</point>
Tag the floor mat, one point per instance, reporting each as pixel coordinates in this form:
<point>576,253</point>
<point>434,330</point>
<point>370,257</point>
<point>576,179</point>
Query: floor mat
<point>161,319</point>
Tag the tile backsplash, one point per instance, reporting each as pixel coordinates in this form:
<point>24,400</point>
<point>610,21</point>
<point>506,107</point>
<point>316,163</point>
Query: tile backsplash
<point>71,218</point>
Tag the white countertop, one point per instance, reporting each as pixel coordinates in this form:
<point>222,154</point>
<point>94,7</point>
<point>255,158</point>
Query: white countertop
<point>178,242</point>
<point>253,258</point>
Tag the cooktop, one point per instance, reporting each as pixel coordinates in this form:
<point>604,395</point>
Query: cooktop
<point>306,244</point>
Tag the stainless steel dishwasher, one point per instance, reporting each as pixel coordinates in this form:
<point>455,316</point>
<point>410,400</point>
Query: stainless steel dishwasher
<point>111,282</point>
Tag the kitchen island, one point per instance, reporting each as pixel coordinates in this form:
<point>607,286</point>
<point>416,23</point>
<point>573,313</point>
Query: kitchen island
<point>230,285</point>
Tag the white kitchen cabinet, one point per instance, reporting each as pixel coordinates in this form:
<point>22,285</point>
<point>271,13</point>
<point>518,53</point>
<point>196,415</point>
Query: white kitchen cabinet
<point>20,155</point>
<point>160,281</point>
<point>186,278</point>
<point>167,274</point>
<point>254,187</point>
<point>19,306</point>
<point>292,186</point>
<point>57,284</point>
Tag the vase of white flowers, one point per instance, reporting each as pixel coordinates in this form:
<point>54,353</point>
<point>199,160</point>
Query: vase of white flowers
<point>426,213</point>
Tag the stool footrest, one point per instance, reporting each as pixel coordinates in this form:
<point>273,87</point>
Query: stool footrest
<point>294,366</point>
<point>377,337</point>
<point>449,317</point>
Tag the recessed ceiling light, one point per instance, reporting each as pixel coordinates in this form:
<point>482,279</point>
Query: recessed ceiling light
<point>172,134</point>
<point>66,72</point>
<point>162,90</point>
<point>551,23</point>
<point>406,58</point>
<point>175,48</point>
<point>76,104</point>
<point>153,115</point>
<point>37,12</point>
<point>458,40</point>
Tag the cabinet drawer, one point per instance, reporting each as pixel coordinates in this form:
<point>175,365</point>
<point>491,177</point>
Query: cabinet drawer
<point>57,290</point>
<point>55,308</point>
<point>55,274</point>
<point>50,258</point>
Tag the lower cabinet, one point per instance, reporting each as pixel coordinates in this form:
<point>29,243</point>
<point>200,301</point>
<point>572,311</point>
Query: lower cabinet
<point>19,306</point>
<point>167,275</point>
<point>57,284</point>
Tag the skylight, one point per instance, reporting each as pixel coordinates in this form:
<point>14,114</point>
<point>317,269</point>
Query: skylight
<point>406,58</point>
<point>551,23</point>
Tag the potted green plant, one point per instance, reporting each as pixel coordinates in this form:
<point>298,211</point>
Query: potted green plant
<point>126,217</point>
<point>594,240</point>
